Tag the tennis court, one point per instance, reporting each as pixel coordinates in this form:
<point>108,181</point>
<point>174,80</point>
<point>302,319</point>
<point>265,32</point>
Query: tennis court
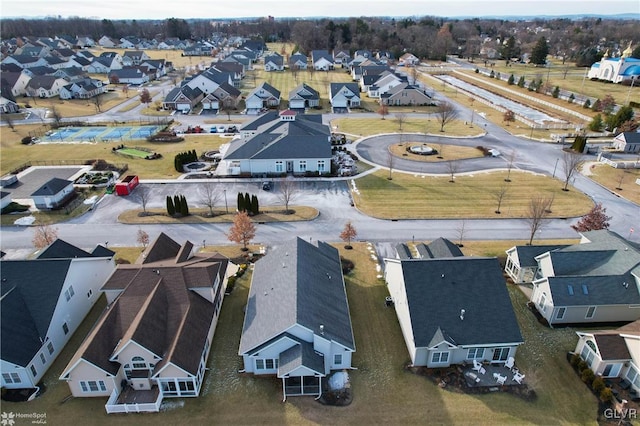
<point>100,134</point>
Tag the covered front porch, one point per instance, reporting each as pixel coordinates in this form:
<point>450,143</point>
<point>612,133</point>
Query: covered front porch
<point>301,370</point>
<point>302,385</point>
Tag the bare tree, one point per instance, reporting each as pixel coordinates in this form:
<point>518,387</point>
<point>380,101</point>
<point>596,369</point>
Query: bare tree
<point>9,121</point>
<point>460,232</point>
<point>452,167</point>
<point>537,213</point>
<point>414,75</point>
<point>348,233</point>
<point>288,192</point>
<point>570,163</point>
<point>622,173</point>
<point>210,195</point>
<point>383,110</point>
<point>390,163</point>
<point>44,235</point>
<point>57,117</point>
<point>401,118</point>
<point>499,195</point>
<point>446,113</point>
<point>511,158</point>
<point>142,238</point>
<point>145,97</point>
<point>143,194</point>
<point>97,101</point>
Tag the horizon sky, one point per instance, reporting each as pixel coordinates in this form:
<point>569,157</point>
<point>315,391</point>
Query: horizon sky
<point>148,9</point>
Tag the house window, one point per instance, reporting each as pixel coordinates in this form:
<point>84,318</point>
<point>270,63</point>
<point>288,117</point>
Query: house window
<point>65,328</point>
<point>279,167</point>
<point>43,359</point>
<point>138,362</point>
<point>321,165</point>
<point>500,354</point>
<point>588,352</point>
<point>337,359</point>
<point>266,364</point>
<point>50,348</point>
<point>475,353</point>
<point>68,294</point>
<point>303,166</point>
<point>259,364</point>
<point>11,378</point>
<point>89,386</point>
<point>34,372</point>
<point>590,312</point>
<point>542,301</point>
<point>440,357</point>
<point>560,313</point>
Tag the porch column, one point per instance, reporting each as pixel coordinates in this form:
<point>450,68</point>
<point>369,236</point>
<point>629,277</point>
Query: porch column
<point>319,387</point>
<point>284,390</point>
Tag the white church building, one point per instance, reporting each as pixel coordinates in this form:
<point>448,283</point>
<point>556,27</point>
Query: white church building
<point>616,70</point>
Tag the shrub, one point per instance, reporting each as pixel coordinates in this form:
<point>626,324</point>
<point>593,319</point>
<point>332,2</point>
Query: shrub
<point>27,140</point>
<point>477,71</point>
<point>572,98</point>
<point>582,365</point>
<point>511,80</point>
<point>606,395</point>
<point>587,104</point>
<point>347,265</point>
<point>587,375</point>
<point>598,385</point>
<point>575,360</point>
<point>231,283</point>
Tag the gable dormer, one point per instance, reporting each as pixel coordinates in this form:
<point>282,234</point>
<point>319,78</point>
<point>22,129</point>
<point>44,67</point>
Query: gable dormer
<point>288,115</point>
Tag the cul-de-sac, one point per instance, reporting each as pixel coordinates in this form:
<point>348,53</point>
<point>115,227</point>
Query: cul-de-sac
<point>334,213</point>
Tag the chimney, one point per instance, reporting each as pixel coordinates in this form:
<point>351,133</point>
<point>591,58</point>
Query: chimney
<point>462,311</point>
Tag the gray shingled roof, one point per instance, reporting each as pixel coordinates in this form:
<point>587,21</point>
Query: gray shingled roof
<point>437,291</point>
<point>297,283</point>
<point>600,290</point>
<point>304,137</point>
<point>439,248</point>
<point>60,249</point>
<point>403,251</point>
<point>30,293</point>
<point>52,187</point>
<point>299,355</point>
<point>335,88</point>
<point>527,254</point>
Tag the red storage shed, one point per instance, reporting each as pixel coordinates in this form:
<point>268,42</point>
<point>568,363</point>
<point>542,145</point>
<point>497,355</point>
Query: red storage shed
<point>127,185</point>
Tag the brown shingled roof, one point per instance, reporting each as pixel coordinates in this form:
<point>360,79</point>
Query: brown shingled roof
<point>612,346</point>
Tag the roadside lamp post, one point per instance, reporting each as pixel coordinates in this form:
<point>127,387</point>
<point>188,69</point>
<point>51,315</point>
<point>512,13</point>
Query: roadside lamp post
<point>554,168</point>
<point>226,206</point>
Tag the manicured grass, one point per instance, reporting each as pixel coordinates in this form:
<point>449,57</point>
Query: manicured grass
<point>610,178</point>
<point>471,196</point>
<point>75,107</point>
<point>445,152</point>
<point>373,126</point>
<point>384,392</point>
<point>200,215</point>
<point>133,152</point>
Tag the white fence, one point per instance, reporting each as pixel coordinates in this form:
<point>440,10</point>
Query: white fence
<point>620,164</point>
<point>113,407</point>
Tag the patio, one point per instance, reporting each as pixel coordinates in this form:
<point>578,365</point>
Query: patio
<point>476,379</point>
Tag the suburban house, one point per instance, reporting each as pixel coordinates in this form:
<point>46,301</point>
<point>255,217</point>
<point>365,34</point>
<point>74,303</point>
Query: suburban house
<point>278,144</point>
<point>45,86</point>
<point>341,57</point>
<point>322,60</point>
<point>405,94</point>
<point>131,75</point>
<point>453,310</point>
<point>613,353</point>
<point>616,70</point>
<point>105,41</point>
<point>376,84</point>
<point>209,80</point>
<point>595,281</point>
<point>344,96</point>
<point>408,60</point>
<point>83,89</point>
<point>8,104</point>
<point>303,96</point>
<point>297,324</point>
<point>154,338</point>
<point>274,62</point>
<point>53,194</point>
<point>44,300</point>
<point>224,97</point>
<point>104,64</point>
<point>14,82</point>
<point>198,49</point>
<point>25,61</point>
<point>134,57</point>
<point>298,61</point>
<point>263,96</point>
<point>182,98</point>
<point>521,264</point>
<point>627,142</point>
<point>5,199</point>
<point>71,74</point>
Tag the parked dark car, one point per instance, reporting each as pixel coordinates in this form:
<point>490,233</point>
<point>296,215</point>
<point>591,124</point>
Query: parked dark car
<point>266,186</point>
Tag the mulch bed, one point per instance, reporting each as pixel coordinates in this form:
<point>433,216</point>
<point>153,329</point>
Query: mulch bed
<point>452,379</point>
<point>339,398</point>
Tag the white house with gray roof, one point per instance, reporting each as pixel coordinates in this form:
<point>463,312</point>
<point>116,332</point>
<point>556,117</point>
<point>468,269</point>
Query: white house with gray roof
<point>278,144</point>
<point>595,281</point>
<point>297,324</point>
<point>453,310</point>
<point>44,300</point>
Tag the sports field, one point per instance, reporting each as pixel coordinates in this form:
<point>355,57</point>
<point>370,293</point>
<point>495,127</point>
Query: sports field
<point>100,134</point>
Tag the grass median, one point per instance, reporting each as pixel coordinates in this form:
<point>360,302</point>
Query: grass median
<point>202,215</point>
<point>417,196</point>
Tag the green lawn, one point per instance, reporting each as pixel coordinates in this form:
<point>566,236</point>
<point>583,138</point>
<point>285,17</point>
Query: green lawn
<point>472,196</point>
<point>384,392</point>
<point>133,152</point>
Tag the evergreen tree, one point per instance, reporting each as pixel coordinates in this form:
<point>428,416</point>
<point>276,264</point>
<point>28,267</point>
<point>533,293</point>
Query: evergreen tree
<point>254,205</point>
<point>556,92</point>
<point>521,81</point>
<point>176,203</point>
<point>597,105</point>
<point>171,210</point>
<point>247,202</point>
<point>491,74</point>
<point>511,80</point>
<point>596,124</point>
<point>572,98</point>
<point>625,113</point>
<point>240,202</point>
<point>184,207</point>
<point>587,104</point>
<point>539,52</point>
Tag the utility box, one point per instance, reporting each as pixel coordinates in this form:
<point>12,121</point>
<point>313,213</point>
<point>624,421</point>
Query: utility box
<point>127,185</point>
